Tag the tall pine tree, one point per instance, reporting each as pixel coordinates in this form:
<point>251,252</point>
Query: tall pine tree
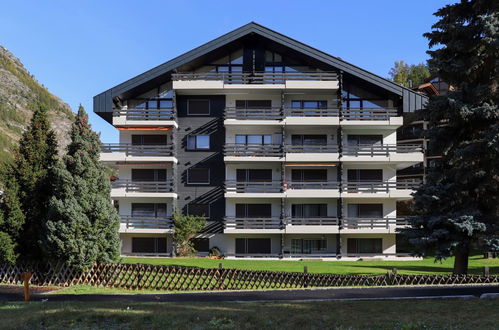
<point>457,208</point>
<point>83,224</point>
<point>11,216</point>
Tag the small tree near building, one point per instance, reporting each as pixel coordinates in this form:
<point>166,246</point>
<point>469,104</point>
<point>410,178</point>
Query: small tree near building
<point>409,75</point>
<point>82,226</point>
<point>186,228</point>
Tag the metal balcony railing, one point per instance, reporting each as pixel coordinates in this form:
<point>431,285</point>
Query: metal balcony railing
<point>145,114</point>
<point>317,112</point>
<point>368,113</point>
<point>380,150</point>
<point>328,148</point>
<point>373,223</point>
<point>256,77</point>
<point>144,186</point>
<point>161,150</point>
<point>312,221</point>
<point>274,186</point>
<point>323,185</point>
<point>134,222</point>
<point>246,150</point>
<point>273,113</point>
<point>378,186</point>
<point>253,223</point>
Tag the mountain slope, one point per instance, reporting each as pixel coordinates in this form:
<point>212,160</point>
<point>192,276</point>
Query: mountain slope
<point>19,93</point>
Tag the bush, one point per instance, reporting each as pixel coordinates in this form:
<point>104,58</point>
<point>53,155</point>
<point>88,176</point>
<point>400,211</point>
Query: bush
<point>215,252</point>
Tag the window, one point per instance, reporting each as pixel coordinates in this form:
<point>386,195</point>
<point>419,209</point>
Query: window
<point>365,210</point>
<point>149,139</point>
<point>198,176</point>
<point>198,142</point>
<point>365,139</point>
<point>198,107</point>
<point>149,210</point>
<point>148,245</point>
<point>364,245</point>
<point>365,175</point>
<point>308,246</point>
<point>309,140</point>
<point>308,210</point>
<point>309,175</point>
<point>202,210</point>
<point>253,245</point>
<point>253,139</point>
<point>253,210</point>
<point>143,174</point>
<point>309,104</point>
<point>253,175</point>
<point>252,104</point>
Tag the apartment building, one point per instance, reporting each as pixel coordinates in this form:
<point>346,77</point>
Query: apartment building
<point>287,151</point>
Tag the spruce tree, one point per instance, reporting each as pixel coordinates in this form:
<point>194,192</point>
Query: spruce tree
<point>457,208</point>
<point>36,155</point>
<point>11,217</point>
<point>82,225</point>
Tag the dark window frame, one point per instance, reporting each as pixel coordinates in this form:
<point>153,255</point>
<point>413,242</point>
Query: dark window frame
<point>199,114</point>
<point>196,148</point>
<point>199,183</point>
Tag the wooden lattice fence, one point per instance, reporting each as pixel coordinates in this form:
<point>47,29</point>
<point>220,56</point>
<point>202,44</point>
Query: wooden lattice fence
<point>176,278</point>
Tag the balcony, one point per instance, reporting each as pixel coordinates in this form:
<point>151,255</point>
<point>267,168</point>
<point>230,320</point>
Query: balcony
<point>373,225</point>
<point>400,190</point>
<point>243,152</point>
<point>368,117</point>
<point>312,153</point>
<point>312,189</point>
<point>312,225</point>
<point>253,225</point>
<point>254,189</point>
<point>258,116</point>
<point>144,117</point>
<point>129,188</point>
<point>315,116</point>
<point>268,80</point>
<point>137,224</point>
<point>125,152</point>
<point>404,154</point>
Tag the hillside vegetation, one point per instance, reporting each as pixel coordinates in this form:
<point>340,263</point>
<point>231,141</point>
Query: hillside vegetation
<point>20,93</point>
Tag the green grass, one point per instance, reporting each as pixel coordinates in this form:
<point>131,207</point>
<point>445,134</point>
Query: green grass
<point>401,314</point>
<point>373,267</point>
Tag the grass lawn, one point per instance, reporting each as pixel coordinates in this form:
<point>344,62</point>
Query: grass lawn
<point>424,266</point>
<point>400,314</point>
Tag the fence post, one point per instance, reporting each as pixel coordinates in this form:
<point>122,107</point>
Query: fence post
<point>305,280</point>
<point>219,280</point>
<point>26,277</point>
<point>486,271</point>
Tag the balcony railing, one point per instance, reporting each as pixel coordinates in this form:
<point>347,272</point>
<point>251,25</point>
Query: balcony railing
<point>368,114</point>
<point>144,186</point>
<point>145,114</point>
<point>134,222</point>
<point>253,223</point>
<point>373,223</point>
<point>273,113</point>
<point>379,150</point>
<point>256,77</point>
<point>317,112</point>
<point>243,150</point>
<point>378,187</point>
<point>328,148</point>
<point>274,186</point>
<point>302,185</point>
<point>312,221</point>
<point>162,150</point>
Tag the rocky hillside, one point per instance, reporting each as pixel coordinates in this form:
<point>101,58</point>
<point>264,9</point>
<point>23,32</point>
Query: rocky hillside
<point>19,93</point>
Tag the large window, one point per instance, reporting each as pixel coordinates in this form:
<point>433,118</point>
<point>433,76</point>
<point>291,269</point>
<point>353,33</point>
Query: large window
<point>198,176</point>
<point>303,104</point>
<point>253,245</point>
<point>253,175</point>
<point>149,139</point>
<point>309,175</point>
<point>365,210</point>
<point>253,104</point>
<point>253,210</point>
<point>308,140</point>
<point>364,139</point>
<point>308,210</point>
<point>198,142</point>
<point>199,209</point>
<point>364,245</point>
<point>149,210</point>
<point>308,246</point>
<point>254,139</point>
<point>142,174</point>
<point>198,107</point>
<point>365,175</point>
<point>148,245</point>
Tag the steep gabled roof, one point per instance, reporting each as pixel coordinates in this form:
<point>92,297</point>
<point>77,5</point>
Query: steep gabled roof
<point>411,100</point>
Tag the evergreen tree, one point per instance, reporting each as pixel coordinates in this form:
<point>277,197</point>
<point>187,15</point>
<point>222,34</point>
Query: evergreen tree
<point>36,155</point>
<point>11,217</point>
<point>458,206</point>
<point>186,228</point>
<point>409,75</point>
<point>82,225</point>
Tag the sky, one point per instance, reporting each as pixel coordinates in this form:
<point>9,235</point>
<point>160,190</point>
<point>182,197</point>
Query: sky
<point>78,49</point>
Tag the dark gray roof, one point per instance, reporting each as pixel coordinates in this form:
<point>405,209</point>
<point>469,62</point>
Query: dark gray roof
<point>411,100</point>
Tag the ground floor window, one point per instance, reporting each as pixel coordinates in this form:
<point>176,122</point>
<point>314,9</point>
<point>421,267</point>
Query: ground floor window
<point>253,245</point>
<point>308,246</point>
<point>364,245</point>
<point>148,244</point>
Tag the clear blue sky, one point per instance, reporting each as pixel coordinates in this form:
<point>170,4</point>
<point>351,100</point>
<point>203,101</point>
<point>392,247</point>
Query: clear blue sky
<point>78,49</point>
